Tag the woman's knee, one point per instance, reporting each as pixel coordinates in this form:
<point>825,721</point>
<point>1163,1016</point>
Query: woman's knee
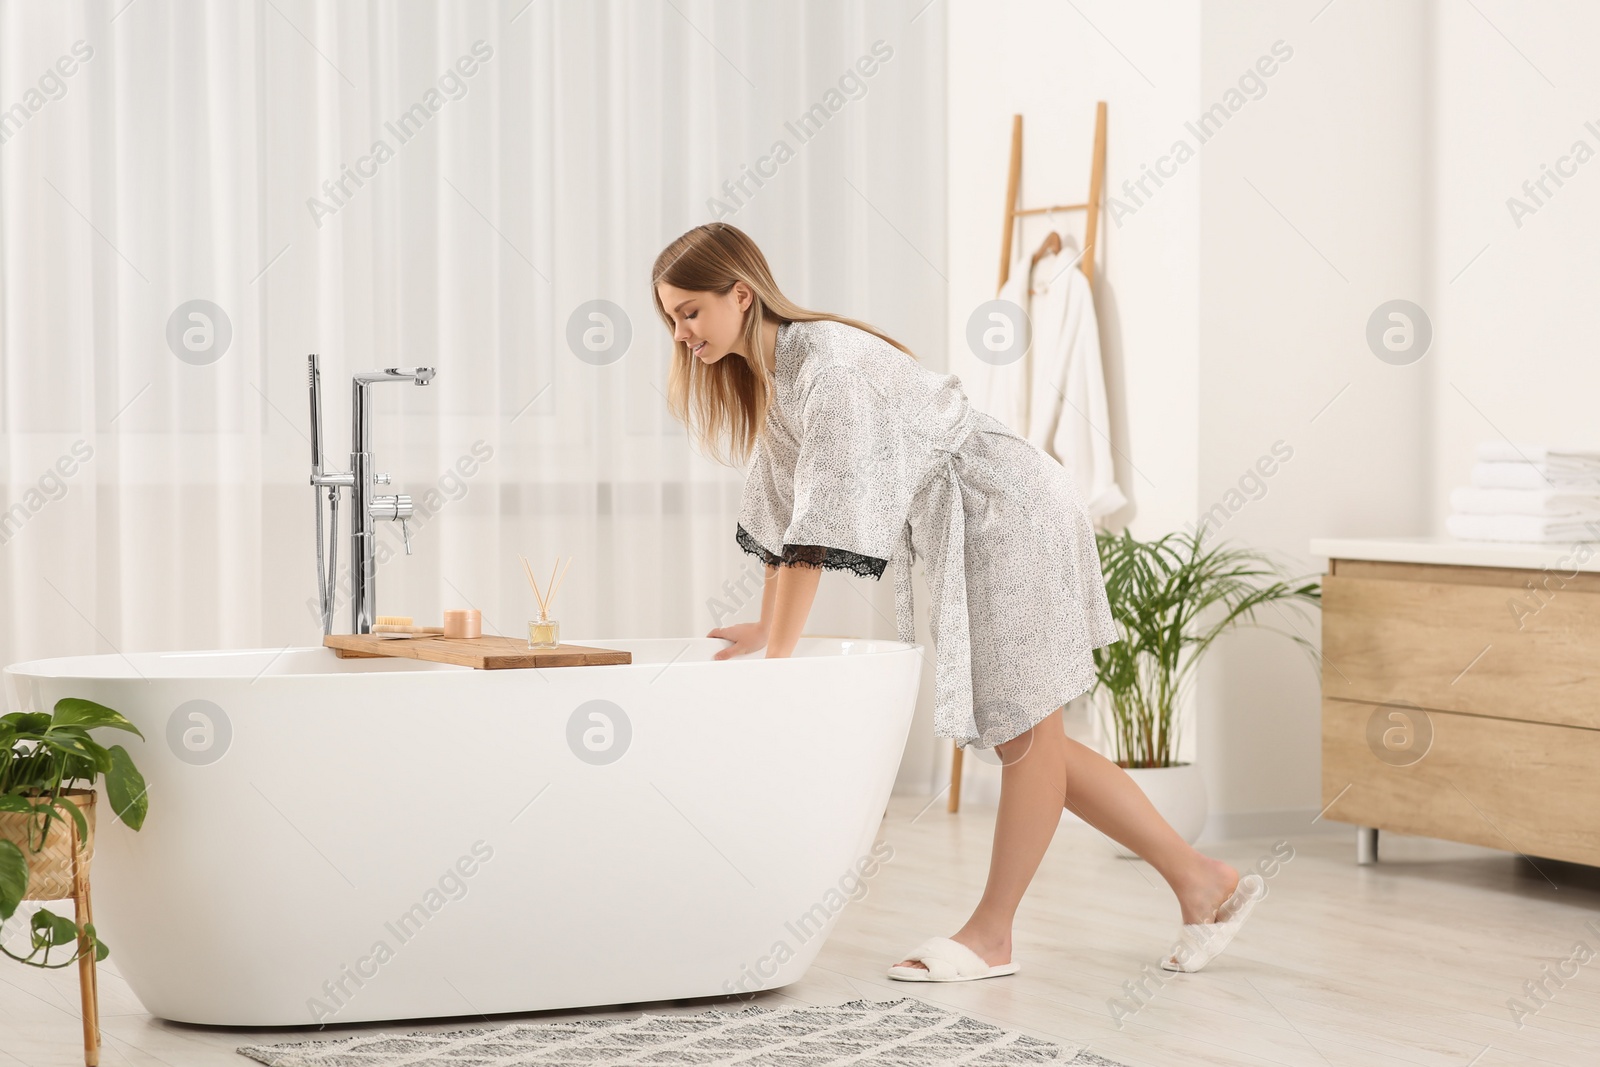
<point>1047,733</point>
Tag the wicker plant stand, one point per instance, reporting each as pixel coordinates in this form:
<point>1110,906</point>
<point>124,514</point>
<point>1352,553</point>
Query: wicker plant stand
<point>60,871</point>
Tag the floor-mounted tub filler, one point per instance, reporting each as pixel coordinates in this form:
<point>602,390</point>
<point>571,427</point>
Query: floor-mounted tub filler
<point>342,840</point>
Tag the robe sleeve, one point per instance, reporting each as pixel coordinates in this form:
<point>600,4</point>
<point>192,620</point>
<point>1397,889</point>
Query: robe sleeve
<point>766,504</point>
<point>852,491</point>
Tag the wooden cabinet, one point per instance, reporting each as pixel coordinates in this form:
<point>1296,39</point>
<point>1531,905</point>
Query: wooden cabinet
<point>1463,702</point>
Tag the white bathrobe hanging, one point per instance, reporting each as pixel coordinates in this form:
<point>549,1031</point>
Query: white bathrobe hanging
<point>1055,395</point>
<point>1070,418</point>
<point>1004,389</point>
<point>868,457</point>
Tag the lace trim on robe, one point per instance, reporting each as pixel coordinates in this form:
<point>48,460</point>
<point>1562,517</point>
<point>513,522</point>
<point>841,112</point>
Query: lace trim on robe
<point>815,556</point>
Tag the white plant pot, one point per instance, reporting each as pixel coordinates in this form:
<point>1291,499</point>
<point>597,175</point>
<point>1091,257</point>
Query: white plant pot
<point>1179,795</point>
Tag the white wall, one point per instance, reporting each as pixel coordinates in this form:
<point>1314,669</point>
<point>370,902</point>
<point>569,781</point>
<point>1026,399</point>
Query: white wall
<point>1234,297</point>
<point>1514,329</point>
<point>1313,212</point>
<point>1050,62</point>
<point>1389,148</point>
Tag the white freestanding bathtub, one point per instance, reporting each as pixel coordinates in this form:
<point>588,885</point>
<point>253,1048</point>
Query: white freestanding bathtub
<point>337,840</point>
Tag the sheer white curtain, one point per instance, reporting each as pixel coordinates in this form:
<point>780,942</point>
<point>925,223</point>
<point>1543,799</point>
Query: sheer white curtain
<point>418,184</point>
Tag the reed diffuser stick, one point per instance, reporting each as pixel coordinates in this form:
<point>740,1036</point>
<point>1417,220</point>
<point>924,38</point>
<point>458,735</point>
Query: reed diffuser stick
<point>531,581</point>
<point>546,599</point>
<point>563,575</point>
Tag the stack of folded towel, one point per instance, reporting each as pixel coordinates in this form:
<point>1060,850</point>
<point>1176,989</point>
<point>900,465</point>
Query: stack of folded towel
<point>1530,494</point>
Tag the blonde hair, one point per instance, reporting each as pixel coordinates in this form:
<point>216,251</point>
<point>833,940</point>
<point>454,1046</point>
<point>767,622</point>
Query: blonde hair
<point>728,399</point>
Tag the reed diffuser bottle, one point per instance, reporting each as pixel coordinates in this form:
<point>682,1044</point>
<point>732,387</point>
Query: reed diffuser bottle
<point>545,632</point>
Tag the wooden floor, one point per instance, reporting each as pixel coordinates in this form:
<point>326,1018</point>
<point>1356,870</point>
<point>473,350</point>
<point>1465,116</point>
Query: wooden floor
<point>1411,961</point>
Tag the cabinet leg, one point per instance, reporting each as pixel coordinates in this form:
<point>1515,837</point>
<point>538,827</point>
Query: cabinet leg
<point>1366,845</point>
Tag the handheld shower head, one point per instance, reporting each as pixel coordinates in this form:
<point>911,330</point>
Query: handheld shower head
<point>315,376</point>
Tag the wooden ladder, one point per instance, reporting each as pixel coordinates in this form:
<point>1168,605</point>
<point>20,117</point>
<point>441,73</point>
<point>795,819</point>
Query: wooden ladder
<point>1091,233</point>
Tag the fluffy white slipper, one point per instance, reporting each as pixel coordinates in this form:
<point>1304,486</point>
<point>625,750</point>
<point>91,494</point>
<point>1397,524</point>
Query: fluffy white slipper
<point>1201,943</point>
<point>948,961</point>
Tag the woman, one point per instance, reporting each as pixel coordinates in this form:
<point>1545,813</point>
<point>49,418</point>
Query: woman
<point>860,456</point>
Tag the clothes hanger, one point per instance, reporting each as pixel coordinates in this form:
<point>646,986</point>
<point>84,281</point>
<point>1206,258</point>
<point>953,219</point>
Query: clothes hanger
<point>1050,246</point>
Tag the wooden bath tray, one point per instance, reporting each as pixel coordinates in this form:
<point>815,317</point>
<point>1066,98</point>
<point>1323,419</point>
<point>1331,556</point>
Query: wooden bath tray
<point>484,653</point>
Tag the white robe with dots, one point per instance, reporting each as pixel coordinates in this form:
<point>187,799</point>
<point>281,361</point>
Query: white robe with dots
<point>868,457</point>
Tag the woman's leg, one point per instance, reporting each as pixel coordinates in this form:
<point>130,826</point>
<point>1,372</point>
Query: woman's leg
<point>1043,770</point>
<point>1103,795</point>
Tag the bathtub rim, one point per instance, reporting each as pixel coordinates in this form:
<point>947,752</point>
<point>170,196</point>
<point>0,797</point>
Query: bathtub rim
<point>144,666</point>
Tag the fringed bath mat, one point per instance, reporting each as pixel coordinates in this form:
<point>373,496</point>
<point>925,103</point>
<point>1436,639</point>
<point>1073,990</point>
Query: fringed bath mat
<point>899,1033</point>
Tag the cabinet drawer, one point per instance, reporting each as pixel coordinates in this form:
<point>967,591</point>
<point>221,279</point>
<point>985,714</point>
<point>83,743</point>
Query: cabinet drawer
<point>1517,786</point>
<point>1458,646</point>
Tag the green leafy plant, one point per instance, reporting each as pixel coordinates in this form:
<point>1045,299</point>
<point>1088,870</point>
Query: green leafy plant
<point>41,756</point>
<point>1171,599</point>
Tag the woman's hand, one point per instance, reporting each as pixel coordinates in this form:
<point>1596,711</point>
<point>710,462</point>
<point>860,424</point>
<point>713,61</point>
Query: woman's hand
<point>746,637</point>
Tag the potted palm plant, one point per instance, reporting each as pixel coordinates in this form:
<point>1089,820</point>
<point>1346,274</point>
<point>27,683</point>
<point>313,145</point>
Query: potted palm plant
<point>1171,599</point>
<point>48,768</point>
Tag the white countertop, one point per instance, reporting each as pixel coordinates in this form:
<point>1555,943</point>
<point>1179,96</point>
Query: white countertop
<point>1448,550</point>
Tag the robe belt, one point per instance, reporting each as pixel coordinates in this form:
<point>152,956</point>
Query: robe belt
<point>940,518</point>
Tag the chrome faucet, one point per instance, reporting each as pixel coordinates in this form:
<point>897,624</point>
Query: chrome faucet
<point>367,504</point>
